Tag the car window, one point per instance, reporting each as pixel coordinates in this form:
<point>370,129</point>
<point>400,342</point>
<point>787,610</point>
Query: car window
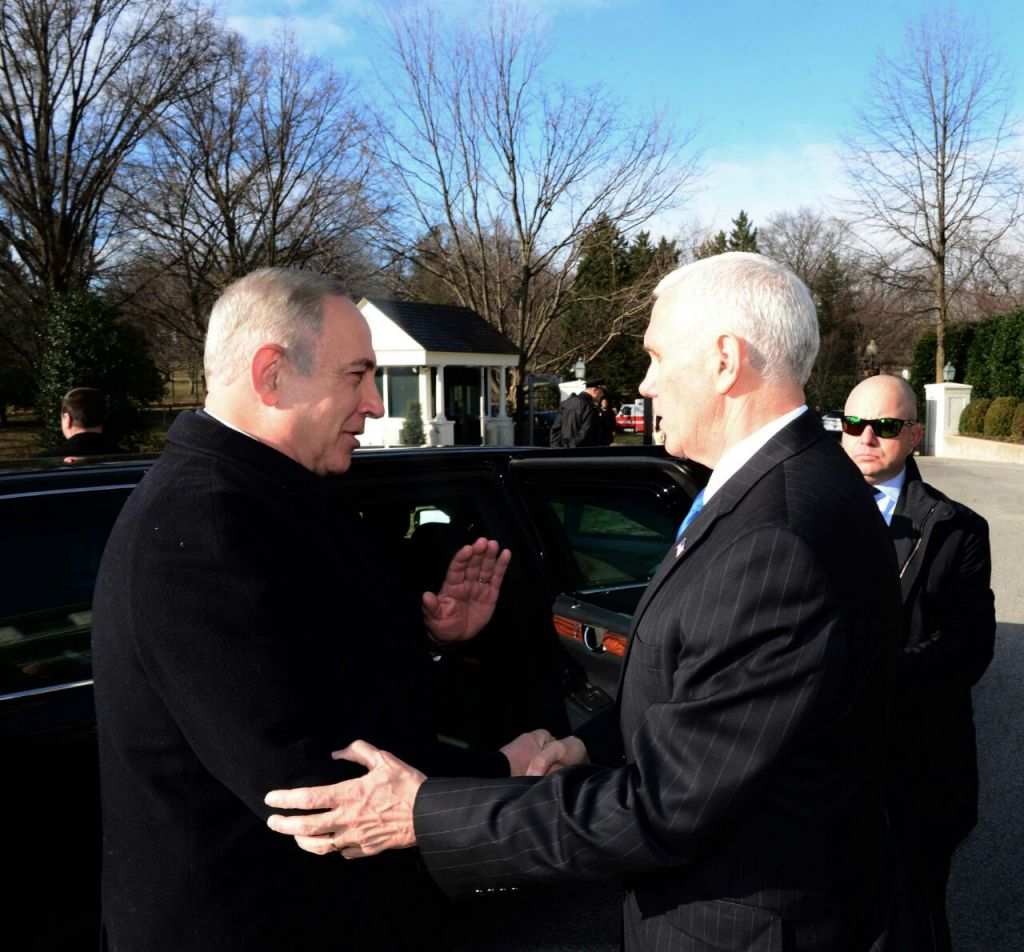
<point>52,548</point>
<point>614,537</point>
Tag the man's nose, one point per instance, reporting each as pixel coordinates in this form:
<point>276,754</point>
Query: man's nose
<point>373,405</point>
<point>869,436</point>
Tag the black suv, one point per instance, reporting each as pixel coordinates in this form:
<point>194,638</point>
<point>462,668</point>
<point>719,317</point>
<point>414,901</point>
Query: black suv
<point>587,529</point>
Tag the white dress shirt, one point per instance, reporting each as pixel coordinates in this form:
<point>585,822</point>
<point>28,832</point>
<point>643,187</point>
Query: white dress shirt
<point>887,494</point>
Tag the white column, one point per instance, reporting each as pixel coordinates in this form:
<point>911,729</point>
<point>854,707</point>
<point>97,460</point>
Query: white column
<point>503,393</point>
<point>439,394</point>
<point>485,398</point>
<point>441,431</point>
<point>945,403</point>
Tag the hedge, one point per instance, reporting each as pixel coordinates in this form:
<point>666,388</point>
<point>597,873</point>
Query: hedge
<point>999,417</point>
<point>1017,426</point>
<point>972,420</point>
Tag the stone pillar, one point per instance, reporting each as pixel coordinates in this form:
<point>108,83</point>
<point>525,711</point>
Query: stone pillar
<point>945,402</point>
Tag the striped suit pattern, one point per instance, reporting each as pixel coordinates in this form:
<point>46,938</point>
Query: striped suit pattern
<point>742,809</point>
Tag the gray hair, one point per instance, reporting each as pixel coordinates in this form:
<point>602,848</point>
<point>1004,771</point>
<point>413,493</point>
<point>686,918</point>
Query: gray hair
<point>759,300</point>
<point>279,306</point>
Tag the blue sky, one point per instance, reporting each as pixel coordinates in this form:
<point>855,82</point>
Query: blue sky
<point>770,86</point>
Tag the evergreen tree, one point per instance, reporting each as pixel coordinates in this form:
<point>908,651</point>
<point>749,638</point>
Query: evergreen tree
<point>743,236</point>
<point>716,245</point>
<point>412,429</point>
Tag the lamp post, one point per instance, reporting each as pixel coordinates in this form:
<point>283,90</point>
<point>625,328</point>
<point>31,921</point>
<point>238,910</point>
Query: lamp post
<point>579,369</point>
<point>949,373</point>
<point>905,374</point>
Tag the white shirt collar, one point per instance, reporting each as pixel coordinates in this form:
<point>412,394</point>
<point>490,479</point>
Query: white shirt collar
<point>230,426</point>
<point>734,458</point>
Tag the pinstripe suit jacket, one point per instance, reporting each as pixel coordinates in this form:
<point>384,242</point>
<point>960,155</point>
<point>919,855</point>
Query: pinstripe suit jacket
<point>745,812</point>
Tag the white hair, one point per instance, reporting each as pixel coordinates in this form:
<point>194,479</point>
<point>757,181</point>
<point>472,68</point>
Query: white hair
<point>757,299</point>
<point>279,306</point>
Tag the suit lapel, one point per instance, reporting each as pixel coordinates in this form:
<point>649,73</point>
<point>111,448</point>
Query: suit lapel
<point>803,431</point>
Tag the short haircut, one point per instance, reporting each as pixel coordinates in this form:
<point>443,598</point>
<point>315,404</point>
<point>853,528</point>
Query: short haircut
<point>86,406</point>
<point>279,306</point>
<point>759,300</point>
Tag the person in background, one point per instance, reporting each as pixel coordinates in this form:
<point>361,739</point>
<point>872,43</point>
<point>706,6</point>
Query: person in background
<point>83,414</point>
<point>579,420</point>
<point>607,415</point>
<point>947,642</point>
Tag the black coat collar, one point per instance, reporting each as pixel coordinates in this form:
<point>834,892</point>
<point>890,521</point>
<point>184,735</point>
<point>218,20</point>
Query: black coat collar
<point>197,431</point>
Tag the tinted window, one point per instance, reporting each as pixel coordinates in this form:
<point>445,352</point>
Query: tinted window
<point>52,549</point>
<point>615,535</point>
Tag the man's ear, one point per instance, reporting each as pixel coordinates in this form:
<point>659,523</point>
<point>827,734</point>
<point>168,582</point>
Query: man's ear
<point>916,435</point>
<point>266,370</point>
<point>728,356</point>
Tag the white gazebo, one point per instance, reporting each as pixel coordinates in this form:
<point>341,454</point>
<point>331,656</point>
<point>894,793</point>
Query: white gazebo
<point>447,359</point>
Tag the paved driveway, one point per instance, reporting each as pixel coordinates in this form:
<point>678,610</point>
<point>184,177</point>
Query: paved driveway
<point>987,888</point>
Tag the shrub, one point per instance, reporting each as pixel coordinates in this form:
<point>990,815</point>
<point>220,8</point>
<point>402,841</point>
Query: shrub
<point>972,420</point>
<point>412,430</point>
<point>1017,426</point>
<point>85,344</point>
<point>1006,355</point>
<point>999,417</point>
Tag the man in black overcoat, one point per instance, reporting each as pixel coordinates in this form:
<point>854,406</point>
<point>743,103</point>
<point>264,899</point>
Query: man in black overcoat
<point>243,625</point>
<point>949,626</point>
<point>579,420</point>
<point>736,788</point>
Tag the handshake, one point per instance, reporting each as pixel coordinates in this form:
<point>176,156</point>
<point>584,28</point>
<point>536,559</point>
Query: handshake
<point>537,753</point>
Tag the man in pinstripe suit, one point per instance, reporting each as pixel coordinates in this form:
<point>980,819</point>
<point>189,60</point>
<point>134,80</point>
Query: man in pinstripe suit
<point>736,790</point>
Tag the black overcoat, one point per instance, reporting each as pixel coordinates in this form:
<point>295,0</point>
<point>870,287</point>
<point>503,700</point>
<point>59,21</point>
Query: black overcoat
<point>244,629</point>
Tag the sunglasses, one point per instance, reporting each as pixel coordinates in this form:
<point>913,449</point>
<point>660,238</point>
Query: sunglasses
<point>888,428</point>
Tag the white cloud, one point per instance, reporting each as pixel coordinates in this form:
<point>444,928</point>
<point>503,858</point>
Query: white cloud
<point>763,182</point>
<point>319,34</point>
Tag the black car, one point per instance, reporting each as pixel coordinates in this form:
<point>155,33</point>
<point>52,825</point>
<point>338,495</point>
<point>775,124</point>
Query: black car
<point>587,529</point>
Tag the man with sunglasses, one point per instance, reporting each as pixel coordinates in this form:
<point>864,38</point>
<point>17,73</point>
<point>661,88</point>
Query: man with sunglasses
<point>948,634</point>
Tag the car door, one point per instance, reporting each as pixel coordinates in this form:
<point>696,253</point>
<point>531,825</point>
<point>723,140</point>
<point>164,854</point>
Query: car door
<point>55,526</point>
<point>603,524</point>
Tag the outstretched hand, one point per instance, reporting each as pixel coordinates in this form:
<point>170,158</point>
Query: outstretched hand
<point>358,817</point>
<point>469,592</point>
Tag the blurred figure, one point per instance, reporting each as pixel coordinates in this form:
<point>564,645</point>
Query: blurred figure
<point>607,417</point>
<point>579,421</point>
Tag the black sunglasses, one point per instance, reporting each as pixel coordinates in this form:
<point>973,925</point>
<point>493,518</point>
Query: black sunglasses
<point>888,428</point>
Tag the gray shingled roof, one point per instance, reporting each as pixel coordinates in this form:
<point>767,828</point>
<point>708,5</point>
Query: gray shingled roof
<point>445,327</point>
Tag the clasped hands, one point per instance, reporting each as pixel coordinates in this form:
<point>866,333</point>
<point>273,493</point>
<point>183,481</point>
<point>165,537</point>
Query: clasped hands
<point>373,813</point>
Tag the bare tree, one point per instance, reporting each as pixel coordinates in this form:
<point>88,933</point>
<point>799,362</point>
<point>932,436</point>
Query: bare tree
<point>270,165</point>
<point>932,165</point>
<point>499,173</point>
<point>81,83</point>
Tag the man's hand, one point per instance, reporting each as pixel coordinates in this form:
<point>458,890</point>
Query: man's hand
<point>567,752</point>
<point>360,817</point>
<point>469,593</point>
<point>521,751</point>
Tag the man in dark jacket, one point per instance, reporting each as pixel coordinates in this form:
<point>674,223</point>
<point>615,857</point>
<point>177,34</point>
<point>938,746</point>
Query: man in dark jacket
<point>949,629</point>
<point>243,628</point>
<point>83,414</point>
<point>579,420</point>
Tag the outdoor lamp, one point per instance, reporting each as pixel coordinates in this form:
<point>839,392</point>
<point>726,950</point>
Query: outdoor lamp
<point>948,373</point>
<point>580,369</point>
<point>905,374</point>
